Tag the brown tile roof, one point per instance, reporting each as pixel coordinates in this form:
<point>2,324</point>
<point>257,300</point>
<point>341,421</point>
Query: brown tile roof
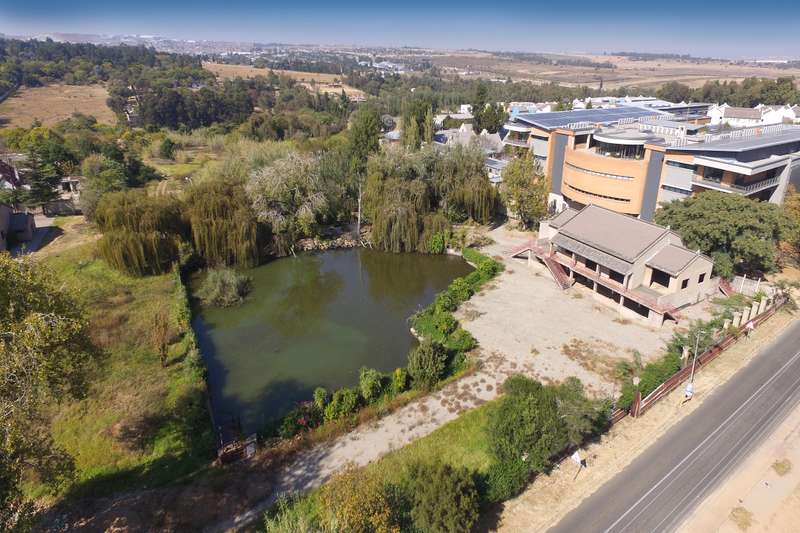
<point>616,234</point>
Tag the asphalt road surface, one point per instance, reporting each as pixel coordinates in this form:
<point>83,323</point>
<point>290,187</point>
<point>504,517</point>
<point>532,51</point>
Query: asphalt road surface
<point>659,489</point>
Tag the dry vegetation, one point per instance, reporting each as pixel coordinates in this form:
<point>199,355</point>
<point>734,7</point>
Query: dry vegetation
<point>54,103</point>
<point>326,83</point>
<point>652,73</point>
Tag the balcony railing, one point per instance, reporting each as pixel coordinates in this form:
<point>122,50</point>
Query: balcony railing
<point>750,188</point>
<point>515,142</point>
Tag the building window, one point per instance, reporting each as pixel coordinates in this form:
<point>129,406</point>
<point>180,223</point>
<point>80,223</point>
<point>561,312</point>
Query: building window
<point>702,278</point>
<point>684,283</point>
<point>616,276</point>
<point>678,164</point>
<point>676,190</point>
<point>659,277</point>
<point>620,151</point>
<point>713,174</point>
<point>597,195</point>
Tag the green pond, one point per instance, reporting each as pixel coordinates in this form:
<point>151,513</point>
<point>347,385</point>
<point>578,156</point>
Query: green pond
<point>314,320</point>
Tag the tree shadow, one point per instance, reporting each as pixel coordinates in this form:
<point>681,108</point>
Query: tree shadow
<point>186,423</point>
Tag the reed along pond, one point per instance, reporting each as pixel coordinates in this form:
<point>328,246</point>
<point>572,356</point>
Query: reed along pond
<point>314,320</point>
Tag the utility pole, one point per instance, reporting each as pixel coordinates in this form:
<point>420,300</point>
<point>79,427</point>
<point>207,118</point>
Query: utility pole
<point>690,386</point>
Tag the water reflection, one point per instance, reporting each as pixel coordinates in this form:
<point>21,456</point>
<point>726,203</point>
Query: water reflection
<point>314,321</point>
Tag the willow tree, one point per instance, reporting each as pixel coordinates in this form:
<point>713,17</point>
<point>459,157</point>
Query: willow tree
<point>224,229</point>
<point>524,190</point>
<point>461,184</point>
<point>293,198</point>
<point>397,198</point>
<point>140,232</point>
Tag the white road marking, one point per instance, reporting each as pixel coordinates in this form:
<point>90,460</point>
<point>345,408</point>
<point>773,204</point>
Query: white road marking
<point>704,441</point>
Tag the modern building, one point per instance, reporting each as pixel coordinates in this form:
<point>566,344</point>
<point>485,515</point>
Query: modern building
<point>631,158</point>
<point>640,268</point>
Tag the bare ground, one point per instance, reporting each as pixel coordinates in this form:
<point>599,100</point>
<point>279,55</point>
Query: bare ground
<point>53,103</point>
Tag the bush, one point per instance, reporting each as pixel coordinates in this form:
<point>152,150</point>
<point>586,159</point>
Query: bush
<point>303,417</point>
<point>293,515</point>
<point>460,290</point>
<point>461,341</point>
<point>320,398</point>
<point>505,479</point>
<point>526,425</point>
<point>358,503</point>
<point>426,364</point>
<point>444,323</point>
<point>224,287</point>
<point>445,302</point>
<point>444,499</point>
<point>437,243</point>
<point>657,372</point>
<point>167,148</point>
<point>582,416</point>
<point>399,381</point>
<point>369,382</point>
<point>344,402</point>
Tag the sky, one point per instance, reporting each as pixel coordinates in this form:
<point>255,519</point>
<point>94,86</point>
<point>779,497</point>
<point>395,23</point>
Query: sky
<point>731,29</point>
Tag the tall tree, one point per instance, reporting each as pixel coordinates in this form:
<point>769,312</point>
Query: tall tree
<point>740,234</point>
<point>427,136</point>
<point>45,355</point>
<point>524,190</point>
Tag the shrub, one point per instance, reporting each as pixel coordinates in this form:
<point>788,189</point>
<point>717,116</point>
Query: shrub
<point>444,323</point>
<point>526,425</point>
<point>445,302</point>
<point>293,515</point>
<point>426,364</point>
<point>437,243</point>
<point>369,382</point>
<point>303,417</point>
<point>461,341</point>
<point>460,290</point>
<point>399,381</point>
<point>582,416</point>
<point>320,398</point>
<point>224,287</point>
<point>657,372</point>
<point>167,148</point>
<point>357,503</point>
<point>344,402</point>
<point>444,499</point>
<point>505,479</point>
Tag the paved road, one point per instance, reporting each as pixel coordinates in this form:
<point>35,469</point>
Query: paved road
<point>663,485</point>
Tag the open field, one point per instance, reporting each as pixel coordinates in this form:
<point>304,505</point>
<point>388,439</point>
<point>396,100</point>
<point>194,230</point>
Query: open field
<point>141,424</point>
<point>53,103</point>
<point>628,73</point>
<point>327,83</point>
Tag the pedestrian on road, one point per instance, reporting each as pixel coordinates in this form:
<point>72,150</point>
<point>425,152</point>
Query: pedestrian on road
<point>749,328</point>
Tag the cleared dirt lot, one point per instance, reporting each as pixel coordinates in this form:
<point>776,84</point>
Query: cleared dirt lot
<point>53,103</point>
<point>553,334</point>
<point>326,83</point>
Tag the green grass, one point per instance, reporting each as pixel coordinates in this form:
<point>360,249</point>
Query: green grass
<point>462,442</point>
<point>141,425</point>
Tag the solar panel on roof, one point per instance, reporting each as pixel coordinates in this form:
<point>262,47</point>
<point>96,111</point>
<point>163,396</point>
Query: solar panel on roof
<point>559,119</point>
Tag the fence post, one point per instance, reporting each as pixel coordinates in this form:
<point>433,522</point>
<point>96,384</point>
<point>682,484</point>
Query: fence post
<point>753,309</point>
<point>762,305</point>
<point>737,319</point>
<point>726,325</point>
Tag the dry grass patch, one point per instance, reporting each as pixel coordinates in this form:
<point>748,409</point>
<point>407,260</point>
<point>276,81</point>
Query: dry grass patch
<point>53,103</point>
<point>742,518</point>
<point>782,467</point>
<point>594,356</point>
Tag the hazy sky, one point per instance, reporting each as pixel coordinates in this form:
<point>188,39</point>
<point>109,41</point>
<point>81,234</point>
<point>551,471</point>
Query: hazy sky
<point>731,28</point>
